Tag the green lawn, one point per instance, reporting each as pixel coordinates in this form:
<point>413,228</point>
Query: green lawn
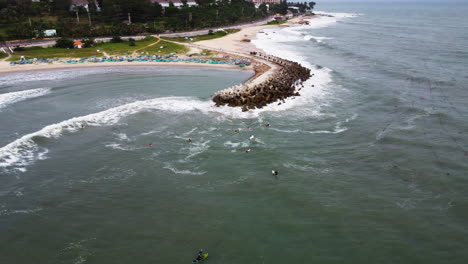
<point>39,52</point>
<point>217,34</point>
<point>111,48</point>
<point>168,48</point>
<point>120,48</point>
<point>3,55</point>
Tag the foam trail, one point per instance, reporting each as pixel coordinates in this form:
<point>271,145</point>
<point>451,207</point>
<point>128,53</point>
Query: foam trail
<point>197,148</point>
<point>337,130</point>
<point>186,172</point>
<point>6,212</point>
<point>14,97</point>
<point>317,39</point>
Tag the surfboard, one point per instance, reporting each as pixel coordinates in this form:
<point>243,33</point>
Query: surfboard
<point>205,256</point>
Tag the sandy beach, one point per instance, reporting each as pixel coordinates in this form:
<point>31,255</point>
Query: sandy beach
<point>234,42</point>
<point>6,68</point>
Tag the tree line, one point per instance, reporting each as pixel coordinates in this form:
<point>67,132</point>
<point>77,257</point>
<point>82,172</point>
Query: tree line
<point>24,19</point>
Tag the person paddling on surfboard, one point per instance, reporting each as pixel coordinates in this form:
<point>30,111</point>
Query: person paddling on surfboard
<point>200,257</point>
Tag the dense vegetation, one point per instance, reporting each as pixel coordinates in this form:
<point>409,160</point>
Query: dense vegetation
<point>302,6</point>
<point>21,19</point>
<point>24,19</point>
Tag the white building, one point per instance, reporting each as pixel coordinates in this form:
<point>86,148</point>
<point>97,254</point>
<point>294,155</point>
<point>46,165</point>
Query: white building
<point>83,3</point>
<point>177,3</point>
<point>268,2</point>
<point>50,33</point>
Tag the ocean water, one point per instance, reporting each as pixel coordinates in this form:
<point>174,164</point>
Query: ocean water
<point>96,167</point>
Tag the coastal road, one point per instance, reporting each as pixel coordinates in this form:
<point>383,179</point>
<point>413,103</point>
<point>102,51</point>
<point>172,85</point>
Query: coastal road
<point>206,30</point>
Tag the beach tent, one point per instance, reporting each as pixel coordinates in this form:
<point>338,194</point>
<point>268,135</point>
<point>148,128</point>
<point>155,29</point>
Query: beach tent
<point>78,44</point>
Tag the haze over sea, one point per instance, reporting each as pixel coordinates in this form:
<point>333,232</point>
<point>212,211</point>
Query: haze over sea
<point>95,166</point>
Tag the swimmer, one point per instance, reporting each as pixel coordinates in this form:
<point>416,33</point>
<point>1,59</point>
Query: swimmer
<point>150,145</point>
<point>189,140</point>
<point>274,172</point>
<point>267,125</point>
<point>237,131</point>
<point>247,150</point>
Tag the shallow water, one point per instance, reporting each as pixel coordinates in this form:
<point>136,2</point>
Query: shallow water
<point>95,167</point>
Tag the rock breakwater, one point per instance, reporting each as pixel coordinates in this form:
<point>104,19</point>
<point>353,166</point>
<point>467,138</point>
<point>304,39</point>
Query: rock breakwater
<point>284,83</point>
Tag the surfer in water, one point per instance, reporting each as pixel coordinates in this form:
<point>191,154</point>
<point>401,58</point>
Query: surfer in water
<point>274,172</point>
<point>247,150</point>
<point>199,257</point>
<point>267,125</point>
<point>189,140</point>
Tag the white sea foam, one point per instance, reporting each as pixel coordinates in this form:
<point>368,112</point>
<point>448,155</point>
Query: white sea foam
<point>122,136</point>
<point>291,165</point>
<point>317,87</point>
<point>338,127</point>
<point>117,146</point>
<point>63,74</point>
<point>190,132</point>
<point>285,130</point>
<point>328,19</point>
<point>197,148</point>
<point>235,145</point>
<point>232,144</point>
<point>21,211</point>
<point>150,132</point>
<point>14,97</point>
<point>337,130</point>
<point>186,172</point>
<point>317,39</point>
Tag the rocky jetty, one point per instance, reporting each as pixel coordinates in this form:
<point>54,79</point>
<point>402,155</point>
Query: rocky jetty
<point>282,84</point>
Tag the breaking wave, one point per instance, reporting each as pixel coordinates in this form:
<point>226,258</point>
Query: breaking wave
<point>14,97</point>
<point>25,150</point>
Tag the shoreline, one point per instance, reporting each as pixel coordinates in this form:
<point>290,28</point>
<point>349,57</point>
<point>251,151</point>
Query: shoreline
<point>232,44</point>
<point>46,67</point>
<point>273,79</point>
